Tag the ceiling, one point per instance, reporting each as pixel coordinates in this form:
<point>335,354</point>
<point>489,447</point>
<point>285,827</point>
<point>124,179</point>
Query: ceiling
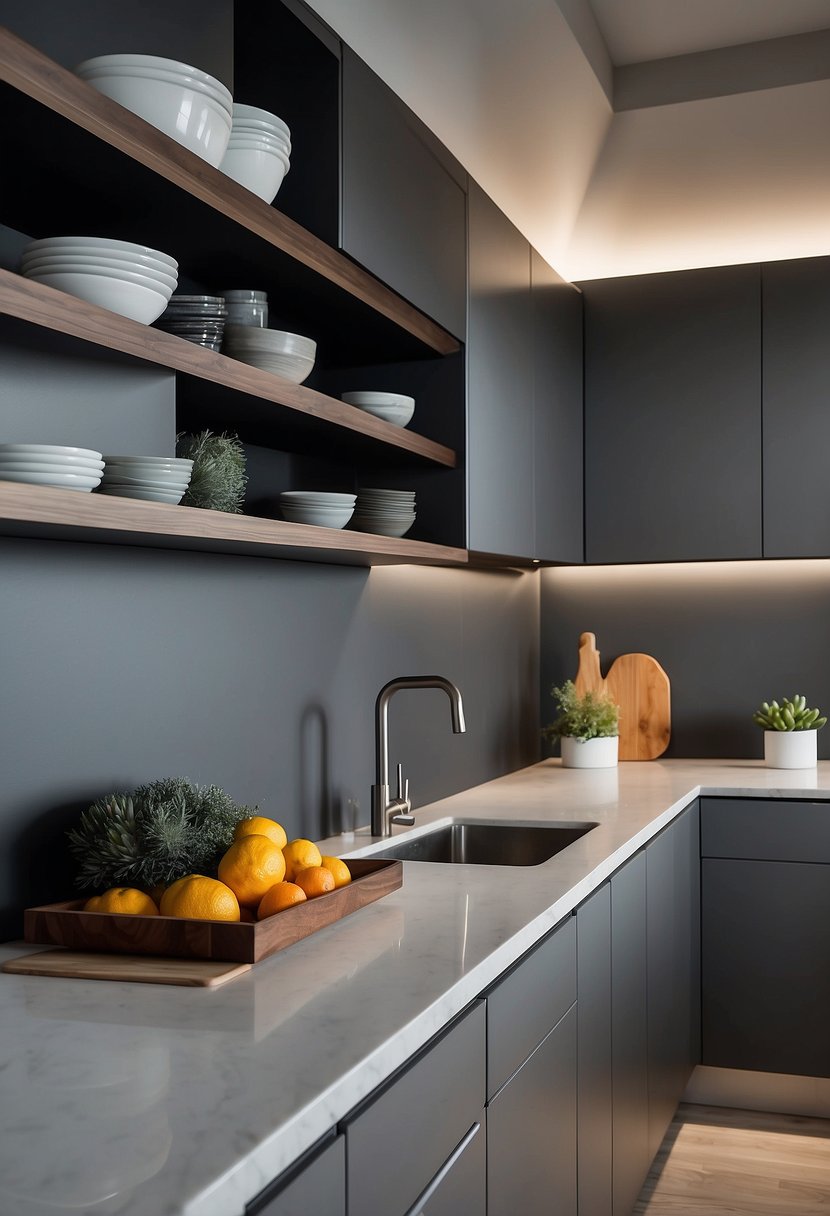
<point>623,136</point>
<point>637,30</point>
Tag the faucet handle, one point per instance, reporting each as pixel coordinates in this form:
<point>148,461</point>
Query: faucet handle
<point>403,789</point>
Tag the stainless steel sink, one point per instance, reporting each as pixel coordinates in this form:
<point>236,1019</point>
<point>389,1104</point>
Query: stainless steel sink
<point>487,844</point>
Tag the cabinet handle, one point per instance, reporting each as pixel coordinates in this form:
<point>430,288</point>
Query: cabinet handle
<point>432,1187</point>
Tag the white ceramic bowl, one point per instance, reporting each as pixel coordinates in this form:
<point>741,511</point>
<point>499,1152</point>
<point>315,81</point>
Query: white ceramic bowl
<point>80,261</point>
<point>270,341</point>
<point>43,466</point>
<point>320,497</point>
<point>160,464</point>
<point>256,145</point>
<point>173,497</point>
<point>381,528</point>
<point>61,481</point>
<point>214,92</point>
<point>97,245</point>
<point>127,277</point>
<point>69,463</point>
<point>320,517</point>
<point>160,64</point>
<point>258,170</point>
<point>273,138</point>
<point>166,284</point>
<point>131,300</point>
<point>295,368</point>
<point>192,118</point>
<point>51,449</point>
<point>255,114</point>
<point>397,415</point>
<point>162,477</point>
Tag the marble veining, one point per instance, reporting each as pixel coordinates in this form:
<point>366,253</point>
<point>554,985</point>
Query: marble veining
<point>158,1101</point>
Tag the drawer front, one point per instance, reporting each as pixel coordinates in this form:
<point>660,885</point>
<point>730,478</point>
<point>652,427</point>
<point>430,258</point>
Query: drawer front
<point>460,1186</point>
<point>317,1185</point>
<point>527,1003</point>
<point>765,829</point>
<point>397,1143</point>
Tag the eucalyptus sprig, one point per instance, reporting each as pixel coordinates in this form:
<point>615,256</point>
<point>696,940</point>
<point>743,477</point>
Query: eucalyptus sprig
<point>791,714</point>
<point>218,478</point>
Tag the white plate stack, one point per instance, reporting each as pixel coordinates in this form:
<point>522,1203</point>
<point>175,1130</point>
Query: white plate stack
<point>259,151</point>
<point>384,512</point>
<point>43,464</point>
<point>184,102</point>
<point>133,280</point>
<point>153,478</point>
<point>273,350</point>
<point>315,507</point>
<point>391,407</point>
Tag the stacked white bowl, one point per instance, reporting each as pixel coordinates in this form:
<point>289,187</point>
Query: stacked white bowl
<point>391,407</point>
<point>259,151</point>
<point>315,507</point>
<point>182,101</point>
<point>273,350</point>
<point>154,478</point>
<point>384,512</point>
<point>43,464</point>
<point>129,279</point>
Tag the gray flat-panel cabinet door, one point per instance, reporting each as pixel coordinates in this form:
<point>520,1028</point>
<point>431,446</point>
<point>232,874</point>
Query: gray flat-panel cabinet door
<point>461,1183</point>
<point>673,894</point>
<point>673,416</point>
<point>499,384</point>
<point>531,1132</point>
<point>629,1033</point>
<point>796,417</point>
<point>319,1187</point>
<point>403,214</point>
<point>766,966</point>
<point>557,415</point>
<point>593,1007</point>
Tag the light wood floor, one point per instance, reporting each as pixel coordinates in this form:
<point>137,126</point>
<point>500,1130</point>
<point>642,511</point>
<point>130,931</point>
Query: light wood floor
<point>719,1162</point>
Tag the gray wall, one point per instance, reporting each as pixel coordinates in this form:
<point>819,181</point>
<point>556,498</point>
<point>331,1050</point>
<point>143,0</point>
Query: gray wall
<point>118,666</point>
<point>729,635</point>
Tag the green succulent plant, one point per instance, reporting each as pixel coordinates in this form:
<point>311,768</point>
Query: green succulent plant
<point>791,714</point>
<point>592,716</point>
<point>162,831</point>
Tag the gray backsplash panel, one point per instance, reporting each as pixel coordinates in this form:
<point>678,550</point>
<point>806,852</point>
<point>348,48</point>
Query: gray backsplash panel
<point>729,635</point>
<point>118,666</point>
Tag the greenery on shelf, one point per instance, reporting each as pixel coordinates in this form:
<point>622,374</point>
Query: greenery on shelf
<point>592,716</point>
<point>791,714</point>
<point>218,479</point>
<point>164,830</point>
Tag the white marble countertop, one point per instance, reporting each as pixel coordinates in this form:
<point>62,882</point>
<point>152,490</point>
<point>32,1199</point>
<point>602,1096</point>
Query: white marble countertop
<point>155,1101</point>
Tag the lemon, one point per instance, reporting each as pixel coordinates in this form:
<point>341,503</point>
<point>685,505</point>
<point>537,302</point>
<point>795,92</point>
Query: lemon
<point>259,825</point>
<point>299,855</point>
<point>250,866</point>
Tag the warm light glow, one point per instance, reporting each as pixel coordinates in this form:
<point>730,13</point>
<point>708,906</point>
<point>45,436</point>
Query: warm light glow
<point>713,574</point>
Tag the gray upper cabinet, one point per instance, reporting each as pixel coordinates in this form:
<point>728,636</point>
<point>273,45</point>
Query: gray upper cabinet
<point>673,416</point>
<point>557,415</point>
<point>499,384</point>
<point>403,204</point>
<point>796,417</point>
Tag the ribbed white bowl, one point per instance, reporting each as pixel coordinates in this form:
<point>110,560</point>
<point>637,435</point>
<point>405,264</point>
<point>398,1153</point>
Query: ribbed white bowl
<point>164,283</point>
<point>97,245</point>
<point>131,300</point>
<point>258,169</point>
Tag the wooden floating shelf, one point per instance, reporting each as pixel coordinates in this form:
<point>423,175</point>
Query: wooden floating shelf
<point>69,515</point>
<point>205,233</point>
<point>44,306</point>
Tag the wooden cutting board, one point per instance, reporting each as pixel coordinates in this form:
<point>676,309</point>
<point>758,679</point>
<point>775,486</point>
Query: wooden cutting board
<point>642,690</point>
<point>134,969</point>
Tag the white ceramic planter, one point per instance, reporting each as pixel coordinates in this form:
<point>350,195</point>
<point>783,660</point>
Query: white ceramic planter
<point>790,748</point>
<point>590,753</point>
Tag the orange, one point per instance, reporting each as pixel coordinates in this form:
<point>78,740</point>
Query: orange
<point>126,901</point>
<point>259,825</point>
<point>198,898</point>
<point>281,896</point>
<point>250,866</point>
<point>299,855</point>
<point>339,870</point>
<point>315,880</point>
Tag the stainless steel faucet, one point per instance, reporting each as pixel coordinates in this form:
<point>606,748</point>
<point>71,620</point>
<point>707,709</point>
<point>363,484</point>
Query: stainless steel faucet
<point>386,810</point>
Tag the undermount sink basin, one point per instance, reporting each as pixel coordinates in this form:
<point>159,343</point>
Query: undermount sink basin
<point>487,844</point>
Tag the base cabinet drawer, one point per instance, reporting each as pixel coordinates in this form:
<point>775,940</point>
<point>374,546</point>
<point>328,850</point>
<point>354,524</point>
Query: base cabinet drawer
<point>316,1184</point>
<point>460,1186</point>
<point>765,829</point>
<point>399,1142</point>
<point>531,1132</point>
<point>766,966</point>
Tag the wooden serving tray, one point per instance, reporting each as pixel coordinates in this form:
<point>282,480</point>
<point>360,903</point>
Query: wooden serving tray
<point>66,924</point>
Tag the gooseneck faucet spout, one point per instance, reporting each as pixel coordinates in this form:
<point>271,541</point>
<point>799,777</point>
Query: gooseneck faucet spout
<point>385,809</point>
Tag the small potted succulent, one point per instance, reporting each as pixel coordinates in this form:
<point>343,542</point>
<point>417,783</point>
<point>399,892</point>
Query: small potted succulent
<point>789,732</point>
<point>588,727</point>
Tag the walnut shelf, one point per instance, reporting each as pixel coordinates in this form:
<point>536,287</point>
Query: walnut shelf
<point>209,222</point>
<point>46,513</point>
<point>44,306</point>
